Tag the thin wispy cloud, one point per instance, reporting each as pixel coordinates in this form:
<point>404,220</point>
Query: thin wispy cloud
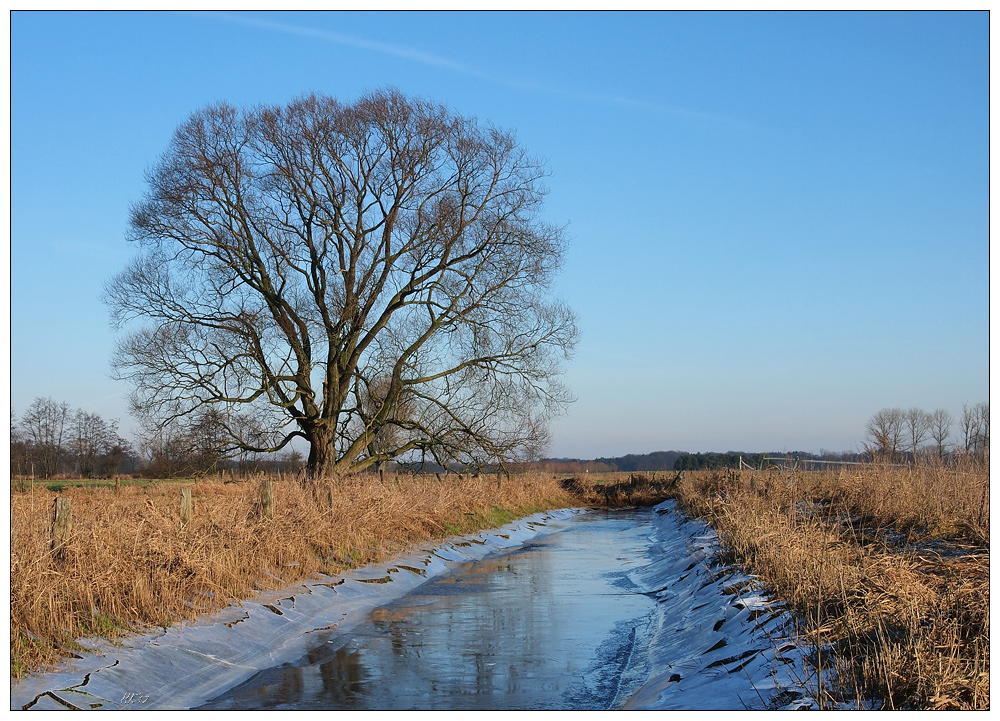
<point>398,51</point>
<point>436,61</point>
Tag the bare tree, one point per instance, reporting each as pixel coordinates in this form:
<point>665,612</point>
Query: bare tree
<point>95,444</point>
<point>918,425</point>
<point>373,278</point>
<point>374,396</point>
<point>976,429</point>
<point>87,439</point>
<point>169,452</point>
<point>209,439</point>
<point>20,448</point>
<point>969,424</point>
<point>44,424</point>
<point>984,428</point>
<point>885,433</point>
<point>116,450</point>
<point>940,430</point>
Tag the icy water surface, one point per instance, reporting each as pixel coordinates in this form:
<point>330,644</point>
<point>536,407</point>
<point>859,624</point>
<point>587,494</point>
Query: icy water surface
<point>555,624</point>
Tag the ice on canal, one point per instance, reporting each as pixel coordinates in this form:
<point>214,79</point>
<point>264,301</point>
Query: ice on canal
<point>569,609</point>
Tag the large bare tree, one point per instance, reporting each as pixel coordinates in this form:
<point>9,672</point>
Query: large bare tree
<point>374,278</point>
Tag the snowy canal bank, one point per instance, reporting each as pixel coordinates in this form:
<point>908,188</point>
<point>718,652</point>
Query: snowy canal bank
<point>568,609</point>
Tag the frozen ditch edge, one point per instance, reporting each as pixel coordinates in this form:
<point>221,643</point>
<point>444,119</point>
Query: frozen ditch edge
<point>720,643</point>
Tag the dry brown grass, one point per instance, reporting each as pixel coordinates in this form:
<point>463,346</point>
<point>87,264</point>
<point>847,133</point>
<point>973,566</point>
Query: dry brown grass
<point>617,490</point>
<point>131,564</point>
<point>888,569</point>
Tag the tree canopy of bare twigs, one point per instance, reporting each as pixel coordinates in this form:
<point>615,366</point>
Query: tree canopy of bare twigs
<point>374,278</point>
<point>918,425</point>
<point>52,438</point>
<point>941,422</point>
<point>976,429</point>
<point>885,431</point>
<point>45,425</point>
<point>892,433</point>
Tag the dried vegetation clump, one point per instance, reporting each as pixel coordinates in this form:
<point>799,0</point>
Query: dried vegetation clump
<point>886,567</point>
<point>618,490</point>
<point>131,563</point>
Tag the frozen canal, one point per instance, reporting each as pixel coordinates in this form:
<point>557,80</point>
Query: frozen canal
<point>566,610</point>
<point>551,625</point>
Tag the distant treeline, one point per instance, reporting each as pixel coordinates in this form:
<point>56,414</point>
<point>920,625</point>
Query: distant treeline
<point>52,439</point>
<point>658,461</point>
<point>681,460</point>
<point>708,461</point>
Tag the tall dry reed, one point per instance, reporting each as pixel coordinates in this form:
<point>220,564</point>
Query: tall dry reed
<point>887,568</point>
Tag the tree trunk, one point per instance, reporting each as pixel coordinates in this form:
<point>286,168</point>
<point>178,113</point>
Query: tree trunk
<point>322,455</point>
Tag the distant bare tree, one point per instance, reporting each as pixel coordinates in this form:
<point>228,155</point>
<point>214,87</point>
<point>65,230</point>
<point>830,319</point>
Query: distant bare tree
<point>969,424</point>
<point>940,430</point>
<point>984,426</point>
<point>45,424</point>
<point>209,439</point>
<point>20,448</point>
<point>95,444</point>
<point>373,397</point>
<point>87,435</point>
<point>885,433</point>
<point>373,278</point>
<point>116,450</point>
<point>918,424</point>
<point>168,449</point>
<point>976,429</point>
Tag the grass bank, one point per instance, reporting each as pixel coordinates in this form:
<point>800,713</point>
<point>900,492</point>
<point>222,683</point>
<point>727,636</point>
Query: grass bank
<point>887,569</point>
<point>131,564</point>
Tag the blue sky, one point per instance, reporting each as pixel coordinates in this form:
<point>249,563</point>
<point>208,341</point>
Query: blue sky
<point>779,222</point>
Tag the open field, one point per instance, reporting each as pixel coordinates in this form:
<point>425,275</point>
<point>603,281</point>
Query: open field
<point>60,483</point>
<point>887,568</point>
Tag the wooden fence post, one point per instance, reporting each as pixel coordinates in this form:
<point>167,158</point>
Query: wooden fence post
<point>62,526</point>
<point>186,506</point>
<point>267,498</point>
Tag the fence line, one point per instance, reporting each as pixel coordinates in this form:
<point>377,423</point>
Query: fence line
<point>805,461</point>
<point>833,463</point>
<point>785,459</point>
